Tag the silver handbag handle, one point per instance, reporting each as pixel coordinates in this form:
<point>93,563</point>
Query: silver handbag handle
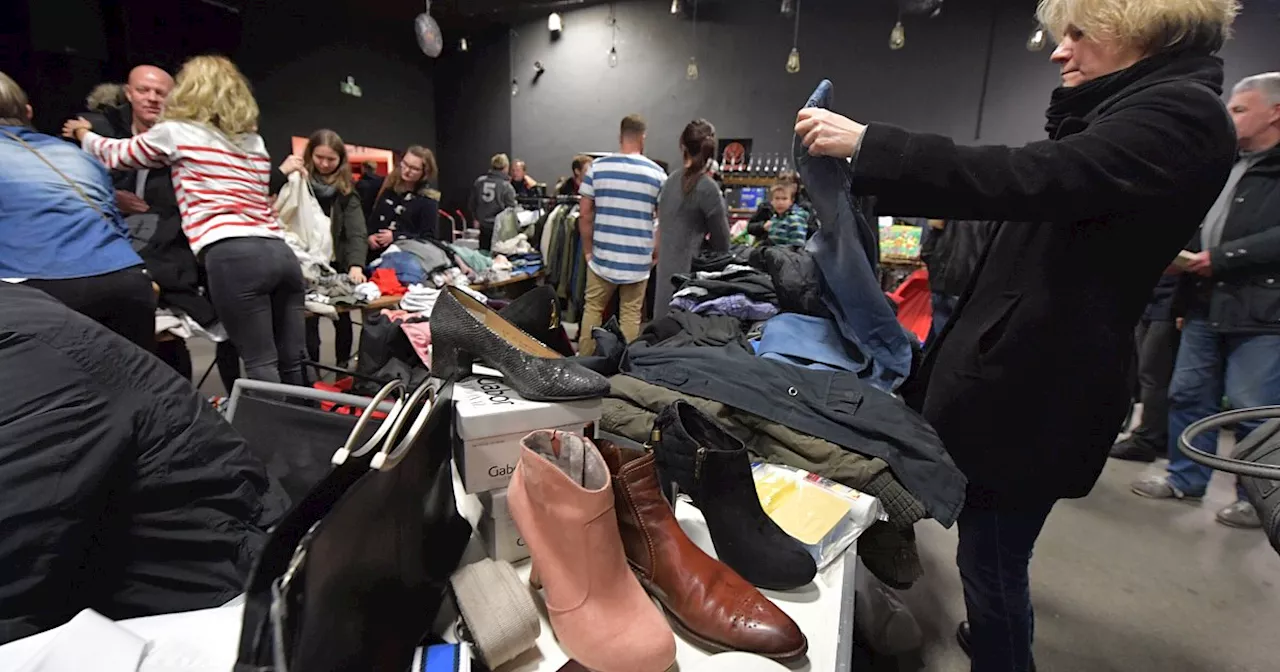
<point>387,458</point>
<point>346,451</point>
<point>1231,466</point>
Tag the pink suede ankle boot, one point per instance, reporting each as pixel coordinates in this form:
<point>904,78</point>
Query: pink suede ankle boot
<point>561,499</point>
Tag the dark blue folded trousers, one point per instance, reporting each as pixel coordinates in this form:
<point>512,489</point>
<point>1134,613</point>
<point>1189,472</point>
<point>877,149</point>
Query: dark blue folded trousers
<point>846,251</point>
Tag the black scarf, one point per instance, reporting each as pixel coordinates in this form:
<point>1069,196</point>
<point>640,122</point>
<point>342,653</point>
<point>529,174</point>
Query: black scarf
<point>1076,102</point>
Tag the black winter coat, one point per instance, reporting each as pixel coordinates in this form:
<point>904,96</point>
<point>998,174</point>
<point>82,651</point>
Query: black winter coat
<point>1243,295</point>
<point>1028,383</point>
<point>124,491</point>
<point>952,254</point>
<point>163,248</point>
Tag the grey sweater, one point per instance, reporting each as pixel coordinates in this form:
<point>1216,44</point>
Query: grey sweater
<point>684,221</point>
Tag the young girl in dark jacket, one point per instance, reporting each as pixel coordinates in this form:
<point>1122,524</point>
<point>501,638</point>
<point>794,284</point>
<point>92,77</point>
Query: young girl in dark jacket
<point>407,205</point>
<point>325,164</point>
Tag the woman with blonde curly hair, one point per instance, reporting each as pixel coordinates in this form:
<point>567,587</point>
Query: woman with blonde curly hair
<point>220,174</point>
<point>1028,383</point>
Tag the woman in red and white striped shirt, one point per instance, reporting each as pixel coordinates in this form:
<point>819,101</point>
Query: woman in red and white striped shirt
<point>220,174</point>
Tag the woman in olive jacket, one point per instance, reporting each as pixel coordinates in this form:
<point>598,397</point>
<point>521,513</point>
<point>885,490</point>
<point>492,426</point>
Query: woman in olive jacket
<point>325,164</point>
<point>1027,386</point>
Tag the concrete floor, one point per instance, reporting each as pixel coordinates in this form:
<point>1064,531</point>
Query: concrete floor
<point>1120,583</point>
<point>1126,584</point>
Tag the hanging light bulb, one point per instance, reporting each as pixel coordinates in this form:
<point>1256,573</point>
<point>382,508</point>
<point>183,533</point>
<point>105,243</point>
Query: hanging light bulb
<point>898,36</point>
<point>691,71</point>
<point>1037,40</point>
<point>793,61</point>
<point>788,6</point>
<point>554,23</point>
<point>463,45</point>
<point>675,6</point>
<point>515,87</point>
<point>613,57</point>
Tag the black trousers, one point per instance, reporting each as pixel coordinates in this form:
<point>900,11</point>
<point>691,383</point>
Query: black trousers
<point>256,287</point>
<point>122,301</point>
<point>342,339</point>
<point>1157,345</point>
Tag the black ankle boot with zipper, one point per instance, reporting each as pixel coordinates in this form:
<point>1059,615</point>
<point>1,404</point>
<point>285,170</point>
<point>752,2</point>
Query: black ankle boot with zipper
<point>697,457</point>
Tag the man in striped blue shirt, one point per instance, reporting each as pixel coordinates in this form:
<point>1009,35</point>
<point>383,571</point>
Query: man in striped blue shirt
<point>619,232</point>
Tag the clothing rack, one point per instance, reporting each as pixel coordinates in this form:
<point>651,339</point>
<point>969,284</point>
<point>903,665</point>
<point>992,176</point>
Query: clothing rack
<point>540,201</point>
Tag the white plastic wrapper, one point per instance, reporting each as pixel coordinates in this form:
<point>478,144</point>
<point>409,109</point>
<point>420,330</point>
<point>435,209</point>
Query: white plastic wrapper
<point>823,515</point>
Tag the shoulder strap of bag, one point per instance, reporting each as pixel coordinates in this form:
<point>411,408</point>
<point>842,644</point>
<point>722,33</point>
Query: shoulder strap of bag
<point>61,174</point>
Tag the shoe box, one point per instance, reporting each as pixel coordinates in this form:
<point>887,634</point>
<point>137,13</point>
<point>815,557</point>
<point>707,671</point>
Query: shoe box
<point>502,540</point>
<point>490,419</point>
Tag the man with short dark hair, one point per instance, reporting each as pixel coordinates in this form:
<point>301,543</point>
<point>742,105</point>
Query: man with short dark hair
<point>579,167</point>
<point>619,232</point>
<point>1231,333</point>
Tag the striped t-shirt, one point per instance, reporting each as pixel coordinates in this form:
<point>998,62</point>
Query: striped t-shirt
<point>220,182</point>
<point>625,190</point>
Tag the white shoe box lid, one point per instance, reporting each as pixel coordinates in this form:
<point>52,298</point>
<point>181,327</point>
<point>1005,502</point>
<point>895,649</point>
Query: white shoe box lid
<point>485,406</point>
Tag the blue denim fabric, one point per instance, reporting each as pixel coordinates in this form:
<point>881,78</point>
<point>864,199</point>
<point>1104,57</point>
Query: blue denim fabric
<point>994,557</point>
<point>811,342</point>
<point>1245,368</point>
<point>47,230</point>
<point>846,252</point>
<point>944,306</point>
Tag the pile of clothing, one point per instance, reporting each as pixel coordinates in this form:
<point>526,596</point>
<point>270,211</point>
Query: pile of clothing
<point>737,291</point>
<point>435,264</point>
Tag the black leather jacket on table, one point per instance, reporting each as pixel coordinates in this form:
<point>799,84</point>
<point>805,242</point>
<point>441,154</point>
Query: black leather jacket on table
<point>1243,294</point>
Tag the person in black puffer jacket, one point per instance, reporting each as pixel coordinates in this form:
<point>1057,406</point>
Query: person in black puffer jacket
<point>125,492</point>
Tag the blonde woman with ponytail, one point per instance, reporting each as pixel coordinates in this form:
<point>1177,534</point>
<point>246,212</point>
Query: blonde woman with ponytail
<point>220,174</point>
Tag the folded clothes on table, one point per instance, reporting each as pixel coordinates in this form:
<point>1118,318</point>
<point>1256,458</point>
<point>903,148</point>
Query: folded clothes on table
<point>734,305</point>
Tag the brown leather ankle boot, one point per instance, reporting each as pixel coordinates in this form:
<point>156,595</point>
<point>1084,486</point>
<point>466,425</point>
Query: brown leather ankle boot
<point>706,600</point>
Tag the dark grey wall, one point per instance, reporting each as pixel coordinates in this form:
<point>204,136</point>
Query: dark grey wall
<point>473,112</point>
<point>935,84</point>
<point>297,56</point>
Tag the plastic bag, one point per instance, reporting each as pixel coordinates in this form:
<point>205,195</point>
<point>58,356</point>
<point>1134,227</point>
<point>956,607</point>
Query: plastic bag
<point>825,516</point>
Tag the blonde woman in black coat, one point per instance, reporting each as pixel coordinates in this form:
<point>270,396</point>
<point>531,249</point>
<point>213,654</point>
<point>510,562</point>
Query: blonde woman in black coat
<point>1027,387</point>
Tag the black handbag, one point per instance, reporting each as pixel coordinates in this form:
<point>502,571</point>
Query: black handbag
<point>354,576</point>
<point>1256,461</point>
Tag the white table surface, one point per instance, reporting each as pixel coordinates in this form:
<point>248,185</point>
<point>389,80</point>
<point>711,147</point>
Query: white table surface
<point>206,640</point>
<point>823,610</point>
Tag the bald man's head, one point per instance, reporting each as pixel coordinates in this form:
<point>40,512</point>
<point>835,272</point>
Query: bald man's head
<point>147,88</point>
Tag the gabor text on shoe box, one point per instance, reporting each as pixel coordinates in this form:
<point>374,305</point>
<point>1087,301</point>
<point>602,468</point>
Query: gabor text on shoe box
<point>502,540</point>
<point>490,421</point>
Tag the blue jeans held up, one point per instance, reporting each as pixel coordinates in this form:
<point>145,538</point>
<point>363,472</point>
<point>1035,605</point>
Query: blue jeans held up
<point>846,252</point>
<point>994,557</point>
<point>1244,368</point>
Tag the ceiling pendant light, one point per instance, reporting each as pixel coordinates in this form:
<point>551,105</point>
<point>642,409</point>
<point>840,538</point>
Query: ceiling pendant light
<point>463,45</point>
<point>898,36</point>
<point>613,43</point>
<point>1037,40</point>
<point>793,59</point>
<point>691,70</point>
<point>554,23</point>
<point>675,6</point>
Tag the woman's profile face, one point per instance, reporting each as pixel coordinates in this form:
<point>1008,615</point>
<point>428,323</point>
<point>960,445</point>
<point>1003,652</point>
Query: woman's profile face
<point>325,160</point>
<point>1083,59</point>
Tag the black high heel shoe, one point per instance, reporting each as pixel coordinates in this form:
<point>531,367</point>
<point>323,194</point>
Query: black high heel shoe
<point>537,313</point>
<point>698,457</point>
<point>464,330</point>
